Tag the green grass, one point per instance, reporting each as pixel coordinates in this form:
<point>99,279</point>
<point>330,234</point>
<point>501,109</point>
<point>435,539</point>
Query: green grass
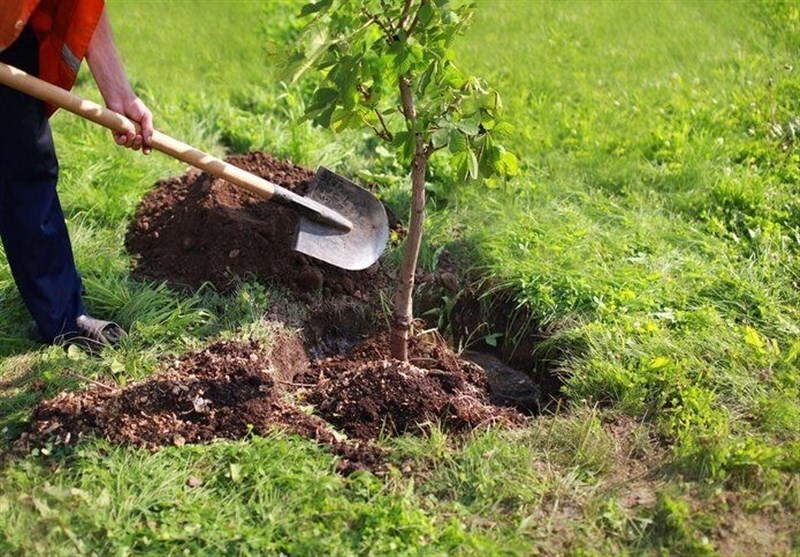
<point>652,235</point>
<point>660,210</point>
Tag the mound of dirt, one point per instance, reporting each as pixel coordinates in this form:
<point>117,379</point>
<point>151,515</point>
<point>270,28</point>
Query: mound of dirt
<point>231,389</point>
<point>224,391</point>
<point>366,394</point>
<point>196,228</point>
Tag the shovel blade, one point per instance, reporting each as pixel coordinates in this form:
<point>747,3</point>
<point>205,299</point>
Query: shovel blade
<point>355,249</point>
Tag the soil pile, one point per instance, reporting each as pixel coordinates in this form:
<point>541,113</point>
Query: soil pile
<point>366,394</point>
<point>196,228</point>
<point>224,391</point>
<point>231,389</point>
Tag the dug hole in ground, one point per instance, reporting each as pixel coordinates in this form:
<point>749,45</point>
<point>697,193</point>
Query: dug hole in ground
<point>331,356</point>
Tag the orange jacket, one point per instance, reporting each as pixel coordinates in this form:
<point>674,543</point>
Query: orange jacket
<point>64,29</point>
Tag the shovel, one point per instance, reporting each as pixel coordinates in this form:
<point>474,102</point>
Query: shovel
<point>341,223</point>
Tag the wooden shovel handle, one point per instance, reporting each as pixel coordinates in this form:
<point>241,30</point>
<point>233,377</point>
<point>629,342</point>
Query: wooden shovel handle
<point>56,96</point>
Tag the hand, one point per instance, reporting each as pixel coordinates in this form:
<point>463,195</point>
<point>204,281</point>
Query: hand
<point>137,111</point>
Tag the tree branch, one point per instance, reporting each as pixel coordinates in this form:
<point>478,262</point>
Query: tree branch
<point>371,18</point>
<point>389,136</point>
<point>415,21</point>
<point>376,130</point>
<point>408,100</point>
<point>404,15</point>
<point>430,149</point>
<point>384,133</point>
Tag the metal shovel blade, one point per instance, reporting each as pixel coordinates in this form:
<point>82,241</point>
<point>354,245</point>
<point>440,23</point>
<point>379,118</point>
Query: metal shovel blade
<point>355,249</point>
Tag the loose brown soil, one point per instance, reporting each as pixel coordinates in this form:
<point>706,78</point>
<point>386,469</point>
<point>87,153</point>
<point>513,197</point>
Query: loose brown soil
<point>227,390</point>
<point>196,228</point>
<point>231,389</point>
<point>366,394</point>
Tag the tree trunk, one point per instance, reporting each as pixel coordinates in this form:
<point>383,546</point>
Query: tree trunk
<point>403,298</point>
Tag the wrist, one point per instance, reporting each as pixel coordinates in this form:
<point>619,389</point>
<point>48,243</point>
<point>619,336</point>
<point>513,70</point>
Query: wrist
<point>120,102</point>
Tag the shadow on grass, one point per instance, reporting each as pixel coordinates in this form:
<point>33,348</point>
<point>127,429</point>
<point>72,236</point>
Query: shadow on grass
<point>479,318</point>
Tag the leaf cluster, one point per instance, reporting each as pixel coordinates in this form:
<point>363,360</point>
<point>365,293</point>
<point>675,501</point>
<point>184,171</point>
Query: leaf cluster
<point>389,66</point>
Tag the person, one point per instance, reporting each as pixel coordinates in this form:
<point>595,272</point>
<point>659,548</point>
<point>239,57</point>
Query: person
<point>49,39</point>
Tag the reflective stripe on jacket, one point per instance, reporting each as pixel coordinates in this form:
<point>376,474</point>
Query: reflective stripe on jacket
<point>64,29</point>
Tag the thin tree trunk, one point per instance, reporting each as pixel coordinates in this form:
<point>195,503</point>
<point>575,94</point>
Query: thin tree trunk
<point>404,295</point>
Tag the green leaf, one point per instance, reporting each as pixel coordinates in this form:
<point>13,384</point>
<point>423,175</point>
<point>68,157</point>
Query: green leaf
<point>457,142</point>
<point>488,101</point>
<point>340,114</point>
<point>425,80</point>
<point>470,126</point>
<point>489,159</point>
<point>324,118</point>
<point>491,340</point>
<point>470,105</point>
<point>235,472</point>
<point>460,162</point>
<point>440,137</point>
<point>343,122</point>
<point>503,129</point>
<point>401,138</point>
<point>752,338</point>
<point>794,352</point>
<point>498,103</point>
<point>75,353</point>
<point>322,98</point>
<point>425,12</point>
<point>472,161</point>
<point>507,164</point>
<point>450,17</point>
<point>116,367</point>
<point>659,363</point>
<point>314,7</point>
<point>104,499</point>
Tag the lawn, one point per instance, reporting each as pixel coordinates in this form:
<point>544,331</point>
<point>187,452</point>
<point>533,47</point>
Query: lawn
<point>649,245</point>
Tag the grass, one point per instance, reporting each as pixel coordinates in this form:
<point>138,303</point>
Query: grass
<point>661,214</point>
<point>652,235</point>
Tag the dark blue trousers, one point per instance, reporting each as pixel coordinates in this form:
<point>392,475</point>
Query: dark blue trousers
<point>32,225</point>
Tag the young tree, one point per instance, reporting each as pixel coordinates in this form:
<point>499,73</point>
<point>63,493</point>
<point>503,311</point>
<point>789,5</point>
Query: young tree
<point>388,65</point>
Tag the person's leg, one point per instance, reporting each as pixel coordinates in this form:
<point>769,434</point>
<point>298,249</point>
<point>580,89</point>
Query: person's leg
<point>32,225</point>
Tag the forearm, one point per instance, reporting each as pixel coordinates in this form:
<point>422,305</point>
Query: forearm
<point>110,77</point>
<point>106,67</point>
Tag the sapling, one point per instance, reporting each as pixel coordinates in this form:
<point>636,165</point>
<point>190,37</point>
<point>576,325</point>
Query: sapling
<point>388,65</point>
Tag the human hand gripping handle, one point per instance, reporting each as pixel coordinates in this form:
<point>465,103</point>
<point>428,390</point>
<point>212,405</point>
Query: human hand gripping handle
<point>136,111</point>
<point>108,73</point>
